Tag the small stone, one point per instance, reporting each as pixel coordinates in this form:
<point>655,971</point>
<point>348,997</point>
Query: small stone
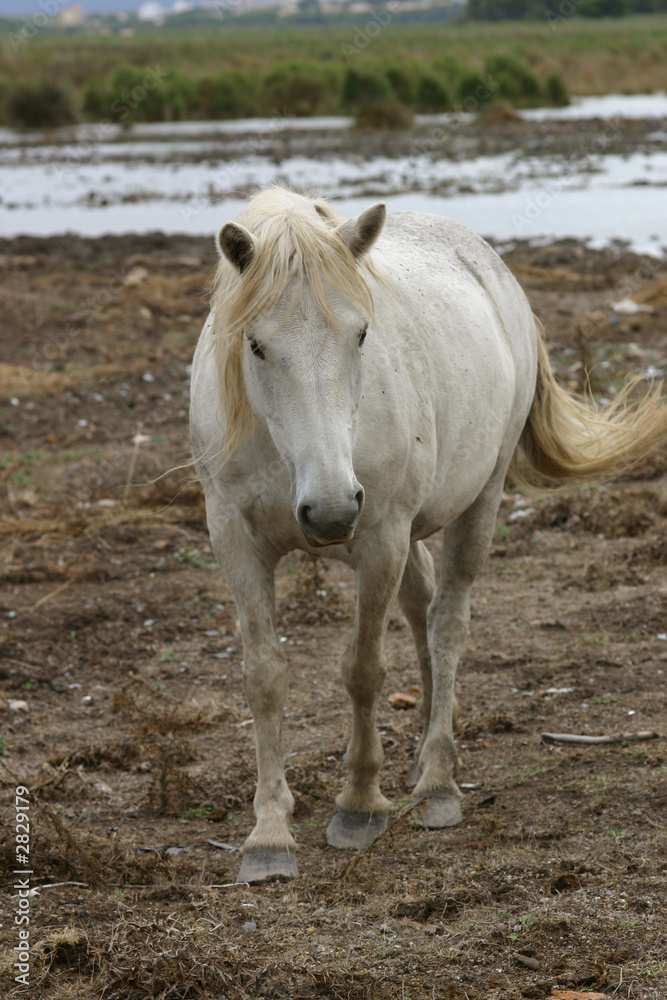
<point>135,277</point>
<point>528,961</point>
<point>250,925</point>
<point>16,705</point>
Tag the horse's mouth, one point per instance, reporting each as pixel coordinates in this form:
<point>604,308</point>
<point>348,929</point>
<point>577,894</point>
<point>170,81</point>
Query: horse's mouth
<point>319,543</point>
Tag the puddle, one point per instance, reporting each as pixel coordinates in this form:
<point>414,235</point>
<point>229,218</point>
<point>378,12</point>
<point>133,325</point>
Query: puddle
<point>189,177</point>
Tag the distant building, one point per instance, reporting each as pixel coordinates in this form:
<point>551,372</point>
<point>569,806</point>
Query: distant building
<point>152,10</point>
<point>71,17</point>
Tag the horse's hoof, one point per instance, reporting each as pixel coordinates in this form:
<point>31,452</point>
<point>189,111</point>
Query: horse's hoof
<point>267,866</point>
<point>355,829</point>
<point>437,812</point>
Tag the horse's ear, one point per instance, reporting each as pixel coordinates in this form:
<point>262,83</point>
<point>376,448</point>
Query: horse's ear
<point>237,245</point>
<point>361,232</point>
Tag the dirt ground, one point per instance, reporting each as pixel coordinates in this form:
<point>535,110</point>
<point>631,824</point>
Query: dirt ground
<point>122,708</point>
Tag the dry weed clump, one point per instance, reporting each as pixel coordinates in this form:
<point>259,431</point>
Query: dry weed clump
<point>18,380</point>
<point>63,852</point>
<point>165,729</point>
<point>167,957</point>
<point>152,710</point>
<point>613,514</point>
<point>313,600</point>
<point>69,948</point>
<point>90,520</point>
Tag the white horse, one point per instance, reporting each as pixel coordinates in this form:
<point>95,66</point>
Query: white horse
<point>361,405</point>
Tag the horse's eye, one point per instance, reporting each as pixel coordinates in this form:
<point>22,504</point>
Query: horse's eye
<point>363,335</point>
<point>256,349</point>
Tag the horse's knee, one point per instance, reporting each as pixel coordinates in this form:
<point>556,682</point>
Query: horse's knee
<point>266,683</point>
<point>363,676</point>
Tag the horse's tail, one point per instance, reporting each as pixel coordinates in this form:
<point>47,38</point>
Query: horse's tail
<point>567,440</point>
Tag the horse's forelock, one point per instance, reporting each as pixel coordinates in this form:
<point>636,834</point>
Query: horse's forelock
<point>293,242</point>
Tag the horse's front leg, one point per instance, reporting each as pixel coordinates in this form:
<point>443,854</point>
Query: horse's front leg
<point>361,808</point>
<point>270,850</point>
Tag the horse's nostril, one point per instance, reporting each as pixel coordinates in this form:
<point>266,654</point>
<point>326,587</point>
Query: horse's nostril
<point>304,512</point>
<point>360,500</point>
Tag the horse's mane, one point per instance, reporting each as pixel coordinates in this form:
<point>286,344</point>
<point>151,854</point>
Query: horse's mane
<point>296,238</point>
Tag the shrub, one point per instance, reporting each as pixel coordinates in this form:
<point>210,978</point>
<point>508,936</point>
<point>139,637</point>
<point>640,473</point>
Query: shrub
<point>517,83</point>
<point>138,95</point>
<point>295,89</point>
<point>363,87</point>
<point>473,91</point>
<point>432,95</point>
<point>382,113</point>
<point>226,95</point>
<point>5,85</point>
<point>556,91</point>
<point>39,104</point>
<point>451,71</point>
<point>401,84</point>
<point>96,99</point>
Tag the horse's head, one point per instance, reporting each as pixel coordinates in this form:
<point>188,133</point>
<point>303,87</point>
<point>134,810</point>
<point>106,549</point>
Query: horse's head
<point>302,372</point>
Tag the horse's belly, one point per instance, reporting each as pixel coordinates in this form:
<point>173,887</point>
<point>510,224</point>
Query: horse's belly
<point>439,511</point>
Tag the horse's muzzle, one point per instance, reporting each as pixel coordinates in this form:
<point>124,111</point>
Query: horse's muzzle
<point>327,523</point>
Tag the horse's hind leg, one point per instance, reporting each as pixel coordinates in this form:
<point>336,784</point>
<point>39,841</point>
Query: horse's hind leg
<point>361,808</point>
<point>414,597</point>
<point>466,544</point>
<point>270,851</point>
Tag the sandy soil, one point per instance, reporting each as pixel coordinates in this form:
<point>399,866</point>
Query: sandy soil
<point>122,707</point>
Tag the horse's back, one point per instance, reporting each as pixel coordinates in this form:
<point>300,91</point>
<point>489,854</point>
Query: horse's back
<point>452,257</point>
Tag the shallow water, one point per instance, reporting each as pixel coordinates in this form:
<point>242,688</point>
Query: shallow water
<point>189,177</point>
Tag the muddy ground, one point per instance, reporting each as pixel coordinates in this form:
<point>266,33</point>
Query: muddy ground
<point>122,707</point>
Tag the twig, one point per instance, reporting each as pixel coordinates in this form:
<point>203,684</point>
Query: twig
<point>614,738</point>
<point>138,440</point>
<point>56,885</point>
<point>48,597</point>
<point>390,829</point>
